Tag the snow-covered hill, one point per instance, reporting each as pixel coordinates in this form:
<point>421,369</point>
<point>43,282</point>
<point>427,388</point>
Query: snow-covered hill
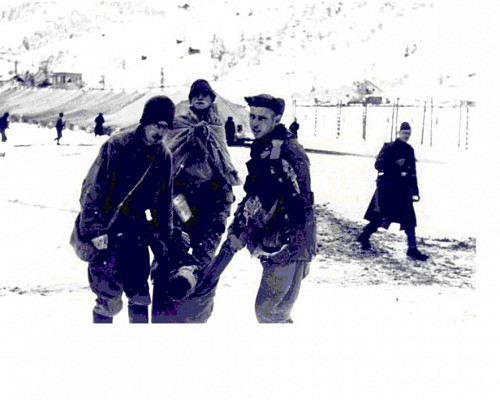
<point>299,49</point>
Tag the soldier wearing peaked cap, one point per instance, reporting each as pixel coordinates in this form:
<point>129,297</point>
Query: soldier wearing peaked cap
<point>396,191</point>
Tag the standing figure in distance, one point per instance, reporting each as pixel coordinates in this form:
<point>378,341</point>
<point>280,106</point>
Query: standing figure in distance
<point>396,191</point>
<point>99,125</point>
<point>230,129</point>
<point>4,124</point>
<point>203,176</point>
<point>294,128</point>
<point>60,125</point>
<point>275,220</point>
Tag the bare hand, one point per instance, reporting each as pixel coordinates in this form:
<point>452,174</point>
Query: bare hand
<point>235,243</point>
<point>100,242</point>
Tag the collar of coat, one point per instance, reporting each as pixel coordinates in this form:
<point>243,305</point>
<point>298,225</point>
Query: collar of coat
<point>274,138</point>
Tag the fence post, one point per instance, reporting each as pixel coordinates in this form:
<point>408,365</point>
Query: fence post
<point>365,109</point>
<point>467,128</point>
<point>315,115</point>
<point>397,115</point>
<point>339,111</point>
<point>423,123</point>
<point>460,123</point>
<point>392,118</point>
<point>432,122</point>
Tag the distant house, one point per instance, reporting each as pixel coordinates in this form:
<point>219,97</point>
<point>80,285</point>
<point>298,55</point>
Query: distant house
<point>367,92</point>
<point>66,80</point>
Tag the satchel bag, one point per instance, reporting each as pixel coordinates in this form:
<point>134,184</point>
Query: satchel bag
<point>85,249</point>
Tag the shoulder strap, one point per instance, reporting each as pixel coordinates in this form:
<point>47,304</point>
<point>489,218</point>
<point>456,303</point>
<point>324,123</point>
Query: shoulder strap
<point>127,197</point>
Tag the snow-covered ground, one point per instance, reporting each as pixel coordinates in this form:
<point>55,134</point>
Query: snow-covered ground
<point>343,321</point>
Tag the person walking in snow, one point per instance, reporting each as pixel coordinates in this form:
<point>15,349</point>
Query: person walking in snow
<point>294,128</point>
<point>99,125</point>
<point>130,182</point>
<point>396,191</point>
<point>275,220</point>
<point>4,124</point>
<point>60,125</point>
<point>203,179</point>
<point>230,129</point>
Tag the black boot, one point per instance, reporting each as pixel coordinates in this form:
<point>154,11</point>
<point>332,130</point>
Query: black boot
<point>137,314</point>
<point>368,230</point>
<point>364,239</point>
<point>414,253</point>
<point>101,319</point>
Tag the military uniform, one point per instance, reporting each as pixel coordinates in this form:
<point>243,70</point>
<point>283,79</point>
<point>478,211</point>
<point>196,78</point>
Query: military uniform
<point>276,221</point>
<point>397,189</point>
<point>144,221</point>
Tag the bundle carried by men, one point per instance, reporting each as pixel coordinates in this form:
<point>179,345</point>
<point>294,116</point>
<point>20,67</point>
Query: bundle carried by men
<point>197,140</point>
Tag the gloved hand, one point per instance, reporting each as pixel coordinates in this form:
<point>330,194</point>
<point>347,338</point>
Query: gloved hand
<point>201,131</point>
<point>235,242</point>
<point>415,198</point>
<point>183,282</point>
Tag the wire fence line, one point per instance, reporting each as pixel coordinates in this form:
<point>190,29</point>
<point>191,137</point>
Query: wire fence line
<point>439,125</point>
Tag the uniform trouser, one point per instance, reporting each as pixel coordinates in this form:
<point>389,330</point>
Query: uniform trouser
<point>124,268</point>
<point>373,225</point>
<point>278,291</point>
<point>190,310</point>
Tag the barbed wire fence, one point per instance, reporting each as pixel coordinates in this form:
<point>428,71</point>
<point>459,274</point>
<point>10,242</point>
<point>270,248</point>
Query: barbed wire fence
<point>432,119</point>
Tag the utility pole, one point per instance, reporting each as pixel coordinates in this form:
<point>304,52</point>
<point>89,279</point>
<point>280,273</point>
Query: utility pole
<point>162,79</point>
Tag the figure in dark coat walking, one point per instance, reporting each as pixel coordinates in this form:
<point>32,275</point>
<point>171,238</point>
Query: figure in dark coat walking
<point>230,129</point>
<point>99,125</point>
<point>396,191</point>
<point>4,124</point>
<point>294,128</point>
<point>60,125</point>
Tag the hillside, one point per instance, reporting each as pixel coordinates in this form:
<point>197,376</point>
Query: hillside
<point>299,49</point>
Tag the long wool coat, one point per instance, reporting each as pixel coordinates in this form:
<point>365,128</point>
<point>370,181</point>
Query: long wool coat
<point>396,184</point>
<point>121,162</point>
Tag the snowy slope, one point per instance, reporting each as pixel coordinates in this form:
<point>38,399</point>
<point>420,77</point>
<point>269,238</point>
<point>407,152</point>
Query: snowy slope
<point>295,49</point>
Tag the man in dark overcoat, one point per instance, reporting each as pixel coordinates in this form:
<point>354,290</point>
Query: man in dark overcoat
<point>123,262</point>
<point>4,124</point>
<point>230,129</point>
<point>99,125</point>
<point>276,220</point>
<point>397,189</point>
<point>60,125</point>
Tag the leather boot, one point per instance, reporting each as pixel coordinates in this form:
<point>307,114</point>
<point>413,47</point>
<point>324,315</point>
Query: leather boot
<point>414,253</point>
<point>101,319</point>
<point>138,314</point>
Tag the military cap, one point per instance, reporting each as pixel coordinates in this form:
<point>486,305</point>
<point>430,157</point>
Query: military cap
<point>405,126</point>
<point>266,100</point>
